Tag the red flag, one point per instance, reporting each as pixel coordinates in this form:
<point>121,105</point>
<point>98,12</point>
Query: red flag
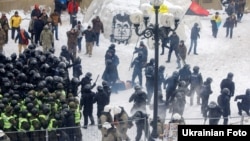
<point>196,9</point>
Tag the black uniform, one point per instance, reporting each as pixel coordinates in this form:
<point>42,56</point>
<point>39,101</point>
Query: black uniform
<point>244,105</point>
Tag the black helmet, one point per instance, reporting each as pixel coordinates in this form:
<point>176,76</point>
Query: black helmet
<point>24,113</point>
<point>230,75</point>
<point>64,48</point>
<point>196,69</point>
<point>152,61</point>
<point>75,80</point>
<point>62,65</point>
<point>248,91</point>
<point>88,74</point>
<point>99,88</point>
<point>34,111</point>
<point>209,80</point>
<point>45,90</point>
<point>13,103</point>
<point>161,68</point>
<point>182,83</point>
<point>104,83</point>
<point>78,60</point>
<point>187,66</point>
<point>17,108</point>
<point>13,56</point>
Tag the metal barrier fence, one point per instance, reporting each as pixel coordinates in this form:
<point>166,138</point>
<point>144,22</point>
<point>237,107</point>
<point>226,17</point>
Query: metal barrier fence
<point>93,133</point>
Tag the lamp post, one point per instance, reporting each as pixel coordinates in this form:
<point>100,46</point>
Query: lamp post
<point>148,32</point>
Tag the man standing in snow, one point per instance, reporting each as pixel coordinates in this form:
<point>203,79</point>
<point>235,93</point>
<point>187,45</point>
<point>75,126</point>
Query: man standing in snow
<point>2,39</point>
<point>72,42</point>
<point>215,21</point>
<point>5,25</point>
<point>46,38</point>
<point>194,36</point>
<point>72,10</point>
<point>15,22</point>
<point>97,28</point>
<point>89,39</point>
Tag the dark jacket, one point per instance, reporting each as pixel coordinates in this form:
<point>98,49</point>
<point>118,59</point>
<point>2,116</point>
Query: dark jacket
<point>20,39</point>
<point>89,35</point>
<point>195,32</point>
<point>97,25</point>
<point>228,83</point>
<point>223,101</point>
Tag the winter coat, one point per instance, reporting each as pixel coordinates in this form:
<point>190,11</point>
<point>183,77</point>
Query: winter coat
<point>101,98</point>
<point>195,32</point>
<point>185,74</point>
<point>216,22</point>
<point>72,38</point>
<point>56,18</point>
<point>110,73</point>
<point>137,64</point>
<point>4,23</point>
<point>182,49</point>
<point>89,35</point>
<point>47,37</point>
<point>140,99</point>
<point>143,49</point>
<point>15,21</point>
<point>21,40</point>
<point>97,25</point>
<point>87,100</point>
<point>231,22</point>
<point>38,26</point>
<point>73,7</point>
<point>174,41</point>
<point>196,79</point>
<point>214,112</point>
<point>36,12</point>
<point>223,101</point>
<point>228,83</point>
<point>206,90</point>
<point>245,101</point>
<point>2,37</point>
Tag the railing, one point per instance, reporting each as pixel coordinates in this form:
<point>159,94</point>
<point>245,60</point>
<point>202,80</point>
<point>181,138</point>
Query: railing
<point>93,133</point>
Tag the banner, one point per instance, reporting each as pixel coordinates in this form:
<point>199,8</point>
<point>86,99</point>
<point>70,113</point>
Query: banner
<point>196,10</point>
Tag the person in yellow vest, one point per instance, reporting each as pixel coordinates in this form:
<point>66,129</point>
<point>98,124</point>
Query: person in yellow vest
<point>35,125</point>
<point>23,126</point>
<point>74,106</point>
<point>15,22</point>
<point>216,22</point>
<point>9,122</point>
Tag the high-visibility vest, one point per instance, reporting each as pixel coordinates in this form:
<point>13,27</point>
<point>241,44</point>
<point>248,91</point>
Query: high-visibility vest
<point>7,123</point>
<point>21,120</point>
<point>31,125</point>
<point>77,115</point>
<point>50,127</point>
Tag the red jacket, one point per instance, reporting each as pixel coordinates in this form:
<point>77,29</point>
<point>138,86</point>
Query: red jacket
<point>72,7</point>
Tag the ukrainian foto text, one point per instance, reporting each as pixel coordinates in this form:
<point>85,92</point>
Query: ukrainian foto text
<point>213,133</point>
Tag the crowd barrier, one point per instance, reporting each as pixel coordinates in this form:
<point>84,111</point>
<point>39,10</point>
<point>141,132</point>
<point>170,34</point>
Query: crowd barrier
<point>93,133</point>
